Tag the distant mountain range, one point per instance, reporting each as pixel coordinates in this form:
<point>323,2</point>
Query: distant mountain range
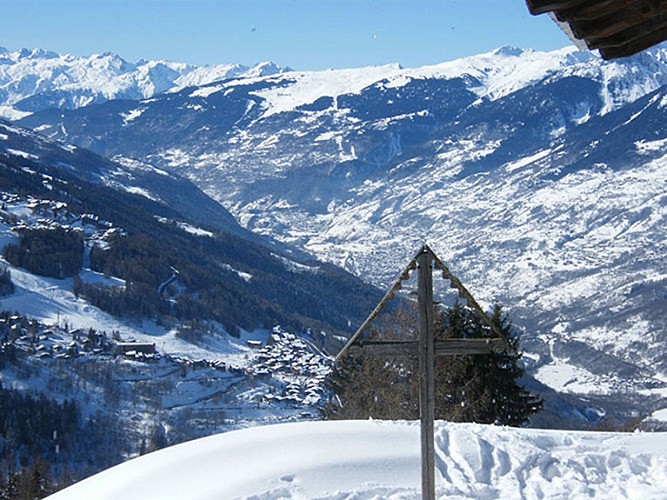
<point>33,80</point>
<point>538,177</point>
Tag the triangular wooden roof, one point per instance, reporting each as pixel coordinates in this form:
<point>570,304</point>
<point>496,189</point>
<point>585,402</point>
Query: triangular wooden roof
<point>502,342</point>
<point>617,28</point>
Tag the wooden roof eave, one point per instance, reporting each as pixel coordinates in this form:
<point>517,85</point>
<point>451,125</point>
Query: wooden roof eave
<point>635,46</point>
<point>617,28</point>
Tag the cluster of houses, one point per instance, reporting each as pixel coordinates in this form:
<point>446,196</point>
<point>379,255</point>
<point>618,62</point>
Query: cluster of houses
<point>30,336</point>
<point>296,366</point>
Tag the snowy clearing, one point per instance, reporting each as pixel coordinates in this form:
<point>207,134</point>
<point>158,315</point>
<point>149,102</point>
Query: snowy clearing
<point>375,459</point>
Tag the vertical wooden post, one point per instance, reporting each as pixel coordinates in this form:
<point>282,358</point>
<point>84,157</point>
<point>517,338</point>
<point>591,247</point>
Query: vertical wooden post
<point>426,372</point>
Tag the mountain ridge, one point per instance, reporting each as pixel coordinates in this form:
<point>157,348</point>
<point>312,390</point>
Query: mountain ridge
<point>36,79</point>
<point>539,174</point>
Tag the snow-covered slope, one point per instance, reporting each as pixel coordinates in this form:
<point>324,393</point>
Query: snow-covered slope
<point>32,80</point>
<point>367,459</point>
<point>538,177</point>
<point>130,176</point>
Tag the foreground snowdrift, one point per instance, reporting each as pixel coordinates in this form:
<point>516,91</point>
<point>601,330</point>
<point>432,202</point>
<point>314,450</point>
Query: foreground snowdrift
<point>372,459</point>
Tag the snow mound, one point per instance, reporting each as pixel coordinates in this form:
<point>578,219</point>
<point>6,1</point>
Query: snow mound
<point>375,459</point>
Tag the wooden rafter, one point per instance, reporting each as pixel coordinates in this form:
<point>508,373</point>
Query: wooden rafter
<point>617,28</point>
<point>442,347</point>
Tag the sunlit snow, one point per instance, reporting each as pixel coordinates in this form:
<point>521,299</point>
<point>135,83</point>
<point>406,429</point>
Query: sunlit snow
<point>381,460</point>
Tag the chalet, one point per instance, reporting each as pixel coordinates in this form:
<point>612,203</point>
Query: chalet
<point>135,347</point>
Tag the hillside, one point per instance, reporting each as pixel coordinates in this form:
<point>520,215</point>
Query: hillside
<point>375,459</point>
<point>136,313</point>
<point>538,177</point>
<point>147,227</point>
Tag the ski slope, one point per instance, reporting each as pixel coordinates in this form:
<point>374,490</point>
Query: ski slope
<point>380,460</point>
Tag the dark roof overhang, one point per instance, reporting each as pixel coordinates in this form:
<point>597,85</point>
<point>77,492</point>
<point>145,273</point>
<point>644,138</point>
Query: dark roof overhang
<point>617,28</point>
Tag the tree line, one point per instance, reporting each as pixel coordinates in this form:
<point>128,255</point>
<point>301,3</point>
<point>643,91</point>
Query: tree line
<point>46,444</point>
<point>56,252</point>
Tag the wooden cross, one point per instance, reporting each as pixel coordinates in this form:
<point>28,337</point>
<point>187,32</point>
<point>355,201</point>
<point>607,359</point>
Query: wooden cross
<point>427,348</point>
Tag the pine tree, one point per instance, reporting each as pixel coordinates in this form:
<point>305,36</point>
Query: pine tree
<point>12,486</point>
<point>513,404</point>
<point>483,388</point>
<point>6,284</point>
<point>34,482</point>
<point>480,388</point>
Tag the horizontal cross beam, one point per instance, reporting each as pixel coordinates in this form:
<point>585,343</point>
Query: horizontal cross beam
<point>448,347</point>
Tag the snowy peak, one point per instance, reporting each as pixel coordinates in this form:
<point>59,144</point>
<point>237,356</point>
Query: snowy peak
<point>205,75</point>
<point>509,50</point>
<point>265,68</point>
<point>31,54</point>
<point>35,79</point>
<point>508,69</point>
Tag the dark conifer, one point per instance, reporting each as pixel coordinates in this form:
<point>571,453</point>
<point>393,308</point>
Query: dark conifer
<point>480,388</point>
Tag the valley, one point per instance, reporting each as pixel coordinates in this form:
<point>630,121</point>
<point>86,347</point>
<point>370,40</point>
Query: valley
<point>538,176</point>
<point>245,222</point>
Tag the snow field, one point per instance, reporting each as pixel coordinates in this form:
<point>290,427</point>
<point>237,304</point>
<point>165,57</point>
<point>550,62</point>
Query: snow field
<point>381,459</point>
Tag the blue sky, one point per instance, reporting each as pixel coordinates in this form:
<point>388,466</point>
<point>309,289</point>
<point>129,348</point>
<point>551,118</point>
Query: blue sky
<point>302,34</point>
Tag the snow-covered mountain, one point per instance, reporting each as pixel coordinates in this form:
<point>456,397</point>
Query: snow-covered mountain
<point>375,459</point>
<point>539,177</point>
<point>32,80</point>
